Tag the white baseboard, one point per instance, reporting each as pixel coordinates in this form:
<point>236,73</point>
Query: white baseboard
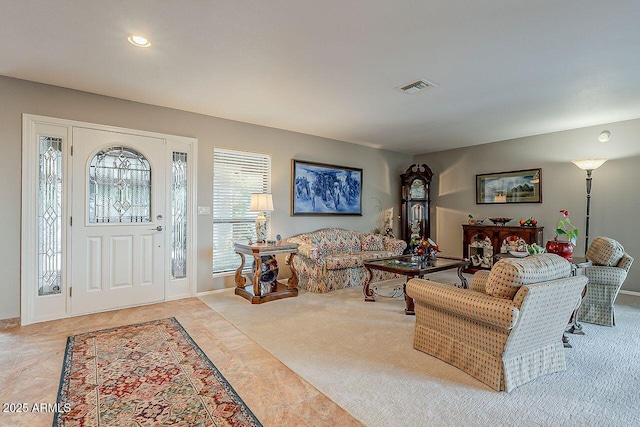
<point>635,294</point>
<point>215,291</point>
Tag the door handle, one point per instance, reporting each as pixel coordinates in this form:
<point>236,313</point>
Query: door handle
<point>158,228</point>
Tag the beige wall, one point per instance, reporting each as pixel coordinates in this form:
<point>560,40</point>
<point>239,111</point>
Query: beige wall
<point>615,202</point>
<point>381,169</point>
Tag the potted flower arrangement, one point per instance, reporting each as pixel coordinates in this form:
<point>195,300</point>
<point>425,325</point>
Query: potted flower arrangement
<point>426,250</point>
<point>568,231</point>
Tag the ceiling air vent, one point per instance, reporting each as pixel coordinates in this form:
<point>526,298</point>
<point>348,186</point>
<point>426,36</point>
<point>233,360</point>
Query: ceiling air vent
<point>417,86</point>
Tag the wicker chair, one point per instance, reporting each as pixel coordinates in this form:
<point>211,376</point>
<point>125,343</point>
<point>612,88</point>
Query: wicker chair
<point>507,329</point>
<point>607,274</point>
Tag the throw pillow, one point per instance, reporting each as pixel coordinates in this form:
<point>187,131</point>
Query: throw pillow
<point>605,251</point>
<point>508,274</point>
<point>371,242</point>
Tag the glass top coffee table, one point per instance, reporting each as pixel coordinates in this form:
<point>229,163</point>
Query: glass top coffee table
<point>410,266</point>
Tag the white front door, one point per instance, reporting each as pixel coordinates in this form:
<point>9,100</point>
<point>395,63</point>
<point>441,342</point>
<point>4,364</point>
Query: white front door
<point>118,220</point>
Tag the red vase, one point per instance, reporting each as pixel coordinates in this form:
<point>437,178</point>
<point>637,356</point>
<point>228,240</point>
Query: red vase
<point>564,249</point>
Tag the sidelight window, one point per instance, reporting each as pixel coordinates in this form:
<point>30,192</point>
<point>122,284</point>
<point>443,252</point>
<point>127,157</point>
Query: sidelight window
<point>49,215</point>
<point>179,188</point>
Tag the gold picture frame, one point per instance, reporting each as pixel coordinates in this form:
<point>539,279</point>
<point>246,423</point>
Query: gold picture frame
<point>521,186</point>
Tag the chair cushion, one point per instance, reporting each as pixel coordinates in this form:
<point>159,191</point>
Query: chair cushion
<point>343,260</point>
<point>508,274</point>
<point>371,242</point>
<point>367,255</point>
<point>605,251</point>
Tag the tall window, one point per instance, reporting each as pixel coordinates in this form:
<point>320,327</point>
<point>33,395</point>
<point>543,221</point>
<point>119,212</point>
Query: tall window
<point>236,175</point>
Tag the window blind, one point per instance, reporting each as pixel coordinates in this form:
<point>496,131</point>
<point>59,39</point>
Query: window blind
<point>236,175</point>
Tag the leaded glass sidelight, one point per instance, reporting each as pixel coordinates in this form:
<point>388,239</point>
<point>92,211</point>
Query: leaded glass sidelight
<point>179,216</point>
<point>49,216</point>
<point>119,186</point>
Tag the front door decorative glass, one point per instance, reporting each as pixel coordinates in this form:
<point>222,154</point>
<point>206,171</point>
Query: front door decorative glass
<point>50,216</point>
<point>119,186</point>
<point>179,186</point>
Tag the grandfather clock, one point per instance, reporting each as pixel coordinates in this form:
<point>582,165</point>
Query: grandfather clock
<point>414,213</point>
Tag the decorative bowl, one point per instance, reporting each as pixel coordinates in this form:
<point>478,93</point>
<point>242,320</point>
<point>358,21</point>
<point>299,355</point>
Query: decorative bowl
<point>518,254</point>
<point>534,249</point>
<point>500,220</point>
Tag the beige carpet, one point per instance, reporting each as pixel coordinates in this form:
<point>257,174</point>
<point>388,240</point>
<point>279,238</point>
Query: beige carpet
<point>361,356</point>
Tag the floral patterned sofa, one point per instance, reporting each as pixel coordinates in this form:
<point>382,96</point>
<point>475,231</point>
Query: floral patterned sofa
<point>332,258</point>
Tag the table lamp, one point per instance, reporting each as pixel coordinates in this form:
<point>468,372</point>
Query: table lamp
<point>261,203</point>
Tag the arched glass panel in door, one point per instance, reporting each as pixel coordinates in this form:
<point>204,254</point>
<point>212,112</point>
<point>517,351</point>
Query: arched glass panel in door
<point>119,186</point>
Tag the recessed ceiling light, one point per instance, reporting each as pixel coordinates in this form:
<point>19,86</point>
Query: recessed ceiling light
<point>138,41</point>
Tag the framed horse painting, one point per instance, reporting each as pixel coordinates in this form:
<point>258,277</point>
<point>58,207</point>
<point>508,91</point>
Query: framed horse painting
<point>321,189</point>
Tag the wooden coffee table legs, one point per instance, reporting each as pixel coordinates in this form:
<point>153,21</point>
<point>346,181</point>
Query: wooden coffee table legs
<point>368,293</point>
<point>409,309</point>
<point>463,280</point>
<point>370,296</point>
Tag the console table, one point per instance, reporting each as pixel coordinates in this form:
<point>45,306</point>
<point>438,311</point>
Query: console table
<point>264,286</point>
<point>485,242</point>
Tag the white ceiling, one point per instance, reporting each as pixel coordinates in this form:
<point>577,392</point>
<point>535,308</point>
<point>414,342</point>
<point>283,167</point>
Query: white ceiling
<point>504,69</point>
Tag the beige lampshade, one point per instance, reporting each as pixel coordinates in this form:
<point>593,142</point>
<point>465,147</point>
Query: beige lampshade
<point>261,202</point>
<point>589,164</point>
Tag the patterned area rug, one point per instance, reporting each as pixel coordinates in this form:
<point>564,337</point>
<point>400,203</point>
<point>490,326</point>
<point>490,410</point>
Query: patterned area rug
<point>149,374</point>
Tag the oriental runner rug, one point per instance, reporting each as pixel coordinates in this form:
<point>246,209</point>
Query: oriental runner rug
<point>148,374</point>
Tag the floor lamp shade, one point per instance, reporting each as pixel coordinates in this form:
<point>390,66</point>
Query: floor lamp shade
<point>589,164</point>
<point>261,203</point>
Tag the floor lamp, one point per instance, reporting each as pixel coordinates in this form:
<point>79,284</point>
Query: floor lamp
<point>588,165</point>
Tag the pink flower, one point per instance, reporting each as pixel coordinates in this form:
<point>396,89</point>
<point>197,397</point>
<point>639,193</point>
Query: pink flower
<point>565,213</point>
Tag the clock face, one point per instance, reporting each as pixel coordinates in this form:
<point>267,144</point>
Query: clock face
<point>418,190</point>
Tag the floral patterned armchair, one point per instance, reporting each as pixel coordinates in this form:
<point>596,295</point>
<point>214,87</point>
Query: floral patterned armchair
<point>332,258</point>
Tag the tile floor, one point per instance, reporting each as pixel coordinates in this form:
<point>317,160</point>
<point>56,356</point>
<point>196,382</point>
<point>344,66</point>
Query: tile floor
<point>31,362</point>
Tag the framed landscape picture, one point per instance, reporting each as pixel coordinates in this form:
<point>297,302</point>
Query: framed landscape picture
<point>321,189</point>
<point>524,186</point>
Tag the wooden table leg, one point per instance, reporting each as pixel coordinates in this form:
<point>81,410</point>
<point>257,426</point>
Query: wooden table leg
<point>408,301</point>
<point>257,276</point>
<point>240,279</point>
<point>292,283</point>
<point>368,293</point>
<point>463,280</point>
